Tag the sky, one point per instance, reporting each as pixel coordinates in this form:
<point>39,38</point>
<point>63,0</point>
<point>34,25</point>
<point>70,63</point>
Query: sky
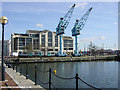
<point>101,27</point>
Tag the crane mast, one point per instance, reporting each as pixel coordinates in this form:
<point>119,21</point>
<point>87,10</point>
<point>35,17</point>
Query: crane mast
<point>63,23</point>
<point>79,24</point>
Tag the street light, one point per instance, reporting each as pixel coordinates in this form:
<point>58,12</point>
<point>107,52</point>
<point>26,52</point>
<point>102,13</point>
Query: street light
<point>3,21</point>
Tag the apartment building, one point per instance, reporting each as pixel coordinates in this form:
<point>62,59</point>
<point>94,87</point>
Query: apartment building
<point>39,42</point>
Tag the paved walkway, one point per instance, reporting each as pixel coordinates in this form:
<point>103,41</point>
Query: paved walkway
<point>10,82</point>
<point>21,81</point>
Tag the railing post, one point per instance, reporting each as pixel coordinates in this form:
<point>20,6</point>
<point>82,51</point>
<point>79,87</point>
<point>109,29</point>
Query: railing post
<point>16,66</point>
<point>26,70</point>
<point>76,81</point>
<point>21,68</point>
<point>13,66</point>
<point>49,78</point>
<point>35,74</point>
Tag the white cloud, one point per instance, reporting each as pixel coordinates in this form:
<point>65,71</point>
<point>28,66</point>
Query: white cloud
<point>81,5</point>
<point>110,12</point>
<point>39,25</point>
<point>115,23</point>
<point>102,38</point>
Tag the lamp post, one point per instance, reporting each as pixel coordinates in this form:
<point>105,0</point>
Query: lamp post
<point>3,21</point>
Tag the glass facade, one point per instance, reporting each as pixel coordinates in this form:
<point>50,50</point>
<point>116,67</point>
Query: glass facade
<point>21,41</point>
<point>68,44</point>
<point>15,43</point>
<point>36,44</point>
<point>56,40</point>
<point>34,35</point>
<point>28,41</point>
<point>43,41</point>
<point>50,44</point>
<point>49,39</point>
<point>21,48</point>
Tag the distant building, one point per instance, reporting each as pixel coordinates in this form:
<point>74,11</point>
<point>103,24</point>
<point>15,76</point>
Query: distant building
<point>45,42</point>
<point>0,47</point>
<point>6,48</point>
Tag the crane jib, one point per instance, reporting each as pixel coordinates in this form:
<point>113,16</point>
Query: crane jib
<point>79,26</point>
<point>63,23</point>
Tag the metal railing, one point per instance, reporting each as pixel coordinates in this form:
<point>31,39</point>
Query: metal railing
<point>8,88</point>
<point>50,72</point>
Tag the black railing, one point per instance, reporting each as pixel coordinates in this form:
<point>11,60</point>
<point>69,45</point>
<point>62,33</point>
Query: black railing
<point>76,77</point>
<point>8,88</point>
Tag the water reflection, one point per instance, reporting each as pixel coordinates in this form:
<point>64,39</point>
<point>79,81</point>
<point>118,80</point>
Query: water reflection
<point>99,74</point>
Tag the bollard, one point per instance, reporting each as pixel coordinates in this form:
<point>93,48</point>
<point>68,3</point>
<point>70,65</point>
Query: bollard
<point>55,71</point>
<point>26,71</point>
<point>49,78</point>
<point>35,74</point>
<point>76,81</point>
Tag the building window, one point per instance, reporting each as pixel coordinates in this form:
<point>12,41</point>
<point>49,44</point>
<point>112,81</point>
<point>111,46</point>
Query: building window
<point>43,41</point>
<point>50,39</point>
<point>70,41</point>
<point>34,35</point>
<point>56,40</point>
<point>49,34</point>
<point>28,41</point>
<point>21,41</point>
<point>56,49</point>
<point>65,41</point>
<point>15,43</point>
<point>50,44</point>
<point>50,49</point>
<point>65,45</point>
<point>70,48</point>
<point>36,44</point>
<point>66,49</point>
<point>21,48</point>
<point>70,45</point>
<point>21,44</point>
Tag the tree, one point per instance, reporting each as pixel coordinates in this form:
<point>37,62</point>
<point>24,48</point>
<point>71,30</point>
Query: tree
<point>29,49</point>
<point>92,49</point>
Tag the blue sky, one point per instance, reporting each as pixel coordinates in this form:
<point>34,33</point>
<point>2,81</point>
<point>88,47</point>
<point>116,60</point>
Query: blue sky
<point>101,27</point>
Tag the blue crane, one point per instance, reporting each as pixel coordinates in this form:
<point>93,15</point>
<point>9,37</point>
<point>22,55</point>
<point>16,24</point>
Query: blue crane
<point>63,23</point>
<point>79,24</point>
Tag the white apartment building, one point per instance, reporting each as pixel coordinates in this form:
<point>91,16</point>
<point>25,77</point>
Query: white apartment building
<point>45,42</point>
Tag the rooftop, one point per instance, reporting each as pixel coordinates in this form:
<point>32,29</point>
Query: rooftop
<point>67,37</point>
<point>21,34</point>
<point>33,31</point>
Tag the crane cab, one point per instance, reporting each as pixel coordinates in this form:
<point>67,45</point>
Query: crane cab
<point>61,30</point>
<point>78,32</point>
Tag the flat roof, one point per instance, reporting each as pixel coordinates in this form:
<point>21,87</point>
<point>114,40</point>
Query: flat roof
<point>67,37</point>
<point>33,31</point>
<point>21,34</point>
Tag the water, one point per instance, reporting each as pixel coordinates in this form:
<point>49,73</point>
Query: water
<point>101,74</point>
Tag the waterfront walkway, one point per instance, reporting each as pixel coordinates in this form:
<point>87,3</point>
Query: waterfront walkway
<point>14,80</point>
<point>8,83</point>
